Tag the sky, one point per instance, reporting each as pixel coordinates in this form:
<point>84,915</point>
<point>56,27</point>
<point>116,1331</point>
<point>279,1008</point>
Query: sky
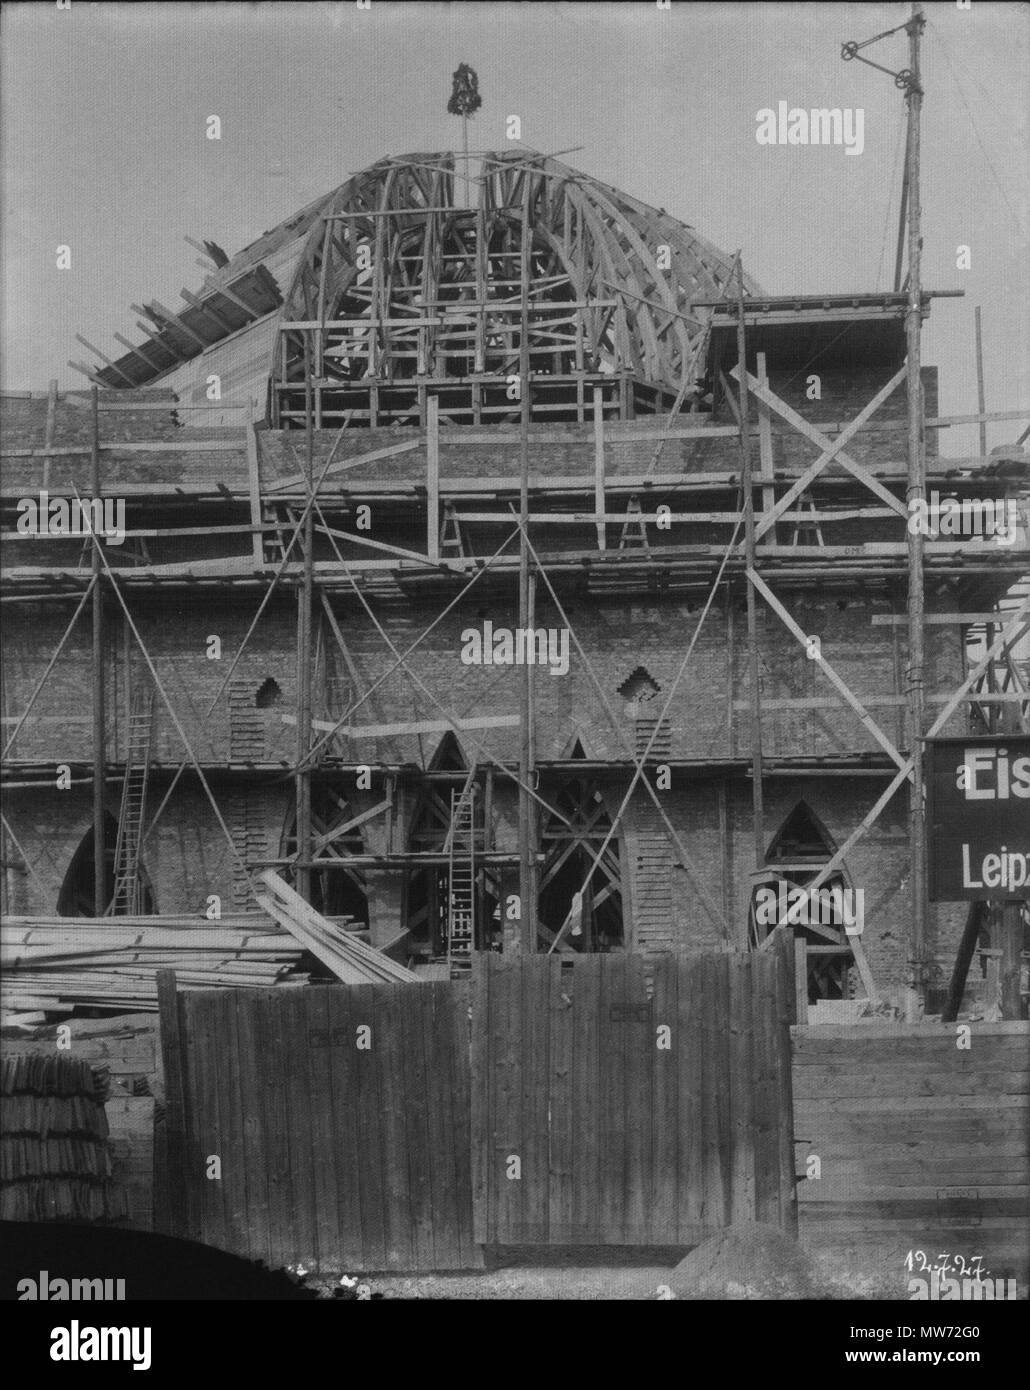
<point>103,147</point>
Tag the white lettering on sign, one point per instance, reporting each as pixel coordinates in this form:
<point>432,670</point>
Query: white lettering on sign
<point>985,775</point>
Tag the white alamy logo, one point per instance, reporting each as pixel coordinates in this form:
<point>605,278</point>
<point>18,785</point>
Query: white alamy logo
<point>788,905</point>
<point>792,125</point>
<point>946,1290</point>
<point>72,516</point>
<point>525,646</point>
<point>77,1343</point>
<point>999,517</point>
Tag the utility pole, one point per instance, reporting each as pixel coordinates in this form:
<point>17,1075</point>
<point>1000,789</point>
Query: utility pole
<point>99,721</point>
<point>304,609</point>
<point>915,491</point>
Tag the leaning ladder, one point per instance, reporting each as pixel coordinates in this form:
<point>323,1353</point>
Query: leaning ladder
<point>461,864</point>
<point>125,898</point>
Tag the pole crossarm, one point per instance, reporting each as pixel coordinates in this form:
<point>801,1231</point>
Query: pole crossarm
<point>833,449</point>
<point>835,680</point>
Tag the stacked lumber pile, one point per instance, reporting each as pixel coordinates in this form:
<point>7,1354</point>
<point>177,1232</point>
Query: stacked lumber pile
<point>56,963</point>
<point>343,953</point>
<point>54,1160</point>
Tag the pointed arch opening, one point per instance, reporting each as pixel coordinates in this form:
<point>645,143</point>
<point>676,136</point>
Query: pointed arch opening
<point>338,889</point>
<point>570,838</point>
<point>798,851</point>
<point>76,898</point>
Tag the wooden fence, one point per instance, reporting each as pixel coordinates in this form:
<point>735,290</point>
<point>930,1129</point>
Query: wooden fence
<point>337,1148</point>
<point>624,1101</point>
<point>922,1144</point>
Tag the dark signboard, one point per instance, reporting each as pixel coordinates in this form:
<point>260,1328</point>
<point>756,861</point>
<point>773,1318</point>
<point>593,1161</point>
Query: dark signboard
<point>978,817</point>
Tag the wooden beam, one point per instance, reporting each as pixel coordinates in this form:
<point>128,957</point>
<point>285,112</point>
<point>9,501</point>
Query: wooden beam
<point>341,465</point>
<point>413,726</point>
<point>320,841</point>
<point>254,487</point>
<point>599,469</point>
<point>433,478</point>
<point>96,351</point>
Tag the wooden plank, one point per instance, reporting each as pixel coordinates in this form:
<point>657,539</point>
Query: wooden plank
<point>368,1080</point>
<point>693,1120</point>
<point>613,1098</point>
<point>420,1156</point>
<point>388,1045</point>
<point>342,465</point>
<point>173,1064</point>
<point>302,1100</point>
<point>252,1061</point>
<point>667,1063</point>
<point>314,1027</point>
<point>482,1133</point>
<point>741,1084</point>
<point>638,1064</point>
<point>763,1081</point>
<point>358,1207</point>
<point>536,1112</point>
<point>586,1094</point>
<point>233,1145</point>
<point>718,1154</point>
<point>561,1156</point>
<point>276,1070</point>
<point>411,726</point>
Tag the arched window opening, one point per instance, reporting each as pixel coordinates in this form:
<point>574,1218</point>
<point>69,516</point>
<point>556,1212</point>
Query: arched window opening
<point>269,694</point>
<point>797,853</point>
<point>76,898</point>
<point>337,888</point>
<point>570,839</point>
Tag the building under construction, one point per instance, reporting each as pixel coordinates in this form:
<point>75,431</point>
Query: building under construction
<point>502,569</point>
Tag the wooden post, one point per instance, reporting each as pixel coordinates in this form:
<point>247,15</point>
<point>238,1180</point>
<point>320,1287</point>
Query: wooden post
<point>1010,932</point>
<point>433,477</point>
<point>99,719</point>
<point>304,625</point>
<point>48,434</point>
<point>980,394</point>
<point>915,491</point>
<point>757,809</point>
<point>254,488</point>
<point>599,503</point>
<point>801,979</point>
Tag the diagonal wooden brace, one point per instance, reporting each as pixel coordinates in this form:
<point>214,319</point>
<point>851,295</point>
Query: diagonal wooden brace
<point>831,675</point>
<point>833,449</point>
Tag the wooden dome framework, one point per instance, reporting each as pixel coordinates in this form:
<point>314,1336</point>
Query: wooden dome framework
<point>403,291</point>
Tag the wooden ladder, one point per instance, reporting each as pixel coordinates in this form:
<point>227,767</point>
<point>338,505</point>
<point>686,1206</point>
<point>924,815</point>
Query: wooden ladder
<point>125,898</point>
<point>461,864</point>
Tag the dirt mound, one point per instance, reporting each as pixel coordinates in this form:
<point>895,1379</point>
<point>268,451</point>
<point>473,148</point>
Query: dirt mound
<point>746,1261</point>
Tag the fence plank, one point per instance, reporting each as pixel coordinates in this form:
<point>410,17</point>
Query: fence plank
<point>561,1062</point>
<point>666,1132</point>
<point>586,999</point>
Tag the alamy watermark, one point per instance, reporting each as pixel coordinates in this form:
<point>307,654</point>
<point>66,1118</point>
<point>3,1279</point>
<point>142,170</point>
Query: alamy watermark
<point>72,516</point>
<point>1000,517</point>
<point>523,646</point>
<point>793,125</point>
<point>789,905</point>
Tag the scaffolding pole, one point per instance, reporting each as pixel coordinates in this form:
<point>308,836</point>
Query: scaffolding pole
<point>916,489</point>
<point>304,647</point>
<point>99,721</point>
<point>757,807</point>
